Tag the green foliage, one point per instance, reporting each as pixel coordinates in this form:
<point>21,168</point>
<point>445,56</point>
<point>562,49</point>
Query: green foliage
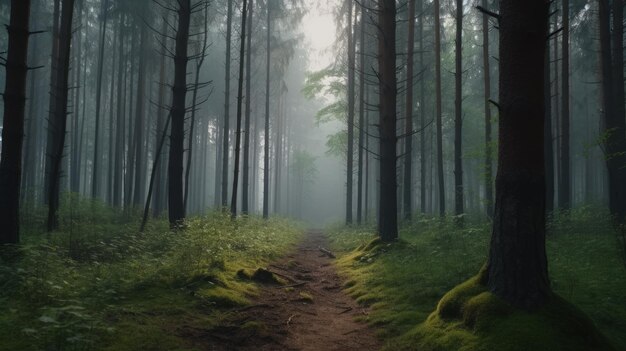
<point>404,281</point>
<point>108,287</point>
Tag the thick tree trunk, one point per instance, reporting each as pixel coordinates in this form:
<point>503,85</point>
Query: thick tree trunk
<point>438,112</point>
<point>245,185</point>
<point>387,219</point>
<point>517,267</point>
<point>74,160</point>
<point>458,113</point>
<point>408,123</point>
<point>548,147</point>
<point>177,114</point>
<point>59,124</point>
<point>565,182</point>
<point>226,128</point>
<point>350,154</point>
<point>13,126</point>
<point>488,128</point>
<point>242,49</point>
<point>266,141</point>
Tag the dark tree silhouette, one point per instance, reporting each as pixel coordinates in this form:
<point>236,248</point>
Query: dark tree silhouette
<point>13,129</point>
<point>176,206</point>
<point>408,123</point>
<point>438,112</point>
<point>226,125</point>
<point>565,178</point>
<point>59,123</point>
<point>488,128</point>
<point>350,150</point>
<point>458,112</point>
<point>517,267</point>
<point>266,146</point>
<point>387,217</point>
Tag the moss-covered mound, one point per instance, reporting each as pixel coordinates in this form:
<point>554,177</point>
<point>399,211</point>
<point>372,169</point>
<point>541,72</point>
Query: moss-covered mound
<point>470,318</point>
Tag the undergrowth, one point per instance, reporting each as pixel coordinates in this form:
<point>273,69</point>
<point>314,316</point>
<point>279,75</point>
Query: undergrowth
<point>98,284</point>
<point>404,281</point>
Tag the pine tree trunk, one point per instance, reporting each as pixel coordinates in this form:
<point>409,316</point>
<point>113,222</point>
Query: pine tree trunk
<point>177,113</point>
<point>362,126</point>
<point>120,130</point>
<point>226,129</point>
<point>488,128</point>
<point>422,109</point>
<point>517,268</point>
<point>51,105</point>
<point>59,124</point>
<point>14,98</point>
<point>140,121</point>
<point>458,113</point>
<point>438,112</point>
<point>245,185</point>
<point>266,141</point>
<point>74,163</point>
<point>388,222</point>
<point>233,201</point>
<point>617,172</point>
<point>408,123</point>
<point>548,146</point>
<point>565,185</point>
<point>350,154</point>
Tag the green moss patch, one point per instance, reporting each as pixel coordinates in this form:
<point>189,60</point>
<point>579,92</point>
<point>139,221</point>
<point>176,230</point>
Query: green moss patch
<point>403,282</point>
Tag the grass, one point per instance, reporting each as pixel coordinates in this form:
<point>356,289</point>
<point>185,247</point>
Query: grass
<point>404,281</point>
<point>100,285</point>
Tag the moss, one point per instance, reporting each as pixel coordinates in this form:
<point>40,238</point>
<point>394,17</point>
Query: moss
<point>473,319</point>
<point>305,297</point>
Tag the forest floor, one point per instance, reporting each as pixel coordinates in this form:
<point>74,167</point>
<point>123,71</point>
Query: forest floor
<point>310,312</point>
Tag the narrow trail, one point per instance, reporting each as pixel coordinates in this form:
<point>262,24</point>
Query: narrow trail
<point>310,313</point>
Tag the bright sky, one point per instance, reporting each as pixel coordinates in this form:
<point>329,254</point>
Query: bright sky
<point>319,29</point>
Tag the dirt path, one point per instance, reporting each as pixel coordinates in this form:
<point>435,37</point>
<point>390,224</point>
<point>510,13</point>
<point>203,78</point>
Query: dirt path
<point>314,314</point>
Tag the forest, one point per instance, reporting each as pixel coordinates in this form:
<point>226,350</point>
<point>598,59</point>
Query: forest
<point>312,175</point>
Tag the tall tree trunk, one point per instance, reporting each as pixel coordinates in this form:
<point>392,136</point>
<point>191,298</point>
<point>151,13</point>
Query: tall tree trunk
<point>488,128</point>
<point>350,154</point>
<point>359,201</point>
<point>458,113</point>
<point>387,221</point>
<point>266,141</point>
<point>242,49</point>
<point>95,184</point>
<point>14,97</point>
<point>517,268</point>
<point>177,112</point>
<point>408,123</point>
<point>438,113</point>
<point>565,183</point>
<point>111,155</point>
<point>226,129</point>
<point>245,185</point>
<point>59,124</point>
<point>74,162</point>
<point>422,109</point>
<point>51,107</point>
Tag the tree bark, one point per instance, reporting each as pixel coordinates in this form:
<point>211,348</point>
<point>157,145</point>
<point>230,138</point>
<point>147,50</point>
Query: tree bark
<point>422,109</point>
<point>387,221</point>
<point>245,185</point>
<point>226,129</point>
<point>140,121</point>
<point>242,49</point>
<point>362,126</point>
<point>458,114</point>
<point>438,112</point>
<point>565,183</point>
<point>617,155</point>
<point>408,123</point>
<point>488,128</point>
<point>266,141</point>
<point>120,130</point>
<point>13,124</point>
<point>59,124</point>
<point>548,147</point>
<point>350,154</point>
<point>51,107</point>
<point>177,134</point>
<point>517,267</point>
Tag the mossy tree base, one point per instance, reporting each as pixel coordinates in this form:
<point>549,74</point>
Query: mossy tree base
<point>470,318</point>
